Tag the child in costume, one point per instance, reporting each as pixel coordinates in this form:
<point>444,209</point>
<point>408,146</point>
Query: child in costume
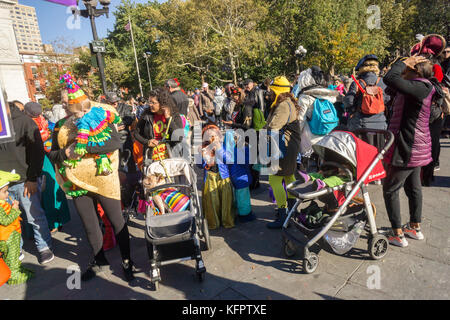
<point>217,199</point>
<point>10,232</point>
<point>241,177</point>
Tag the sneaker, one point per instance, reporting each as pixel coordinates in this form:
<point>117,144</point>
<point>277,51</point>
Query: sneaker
<point>437,168</point>
<point>22,256</point>
<point>413,233</point>
<point>46,256</point>
<point>399,241</point>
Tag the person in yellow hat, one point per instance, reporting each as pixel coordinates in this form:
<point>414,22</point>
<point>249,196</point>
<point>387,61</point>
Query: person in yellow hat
<point>283,117</point>
<point>10,231</point>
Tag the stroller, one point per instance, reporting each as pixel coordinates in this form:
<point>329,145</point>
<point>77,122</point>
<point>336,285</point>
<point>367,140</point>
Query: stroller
<point>168,233</point>
<point>340,230</point>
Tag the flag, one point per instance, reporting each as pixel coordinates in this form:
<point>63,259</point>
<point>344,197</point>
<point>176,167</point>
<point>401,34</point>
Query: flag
<point>128,27</point>
<point>68,3</point>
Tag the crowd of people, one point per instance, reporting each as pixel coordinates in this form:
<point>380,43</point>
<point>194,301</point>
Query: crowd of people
<point>92,153</point>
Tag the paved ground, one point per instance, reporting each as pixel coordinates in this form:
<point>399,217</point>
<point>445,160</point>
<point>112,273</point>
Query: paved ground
<point>247,262</point>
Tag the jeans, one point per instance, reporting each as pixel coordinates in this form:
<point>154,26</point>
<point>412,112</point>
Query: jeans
<point>35,215</point>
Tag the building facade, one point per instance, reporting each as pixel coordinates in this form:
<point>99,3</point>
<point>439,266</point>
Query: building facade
<point>12,77</point>
<point>26,27</point>
<point>41,72</point>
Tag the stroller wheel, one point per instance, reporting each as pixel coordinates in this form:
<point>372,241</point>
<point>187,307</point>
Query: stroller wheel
<point>310,264</point>
<point>378,246</point>
<point>289,248</point>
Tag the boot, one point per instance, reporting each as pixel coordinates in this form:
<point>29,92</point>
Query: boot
<point>98,265</point>
<point>128,269</point>
<point>277,224</point>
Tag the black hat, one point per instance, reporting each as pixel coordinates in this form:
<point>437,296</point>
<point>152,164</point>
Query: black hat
<point>111,97</point>
<point>33,109</point>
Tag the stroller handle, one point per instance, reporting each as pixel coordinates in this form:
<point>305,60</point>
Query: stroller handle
<point>389,136</point>
<point>169,185</point>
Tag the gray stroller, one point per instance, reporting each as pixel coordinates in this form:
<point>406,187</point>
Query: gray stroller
<point>341,228</point>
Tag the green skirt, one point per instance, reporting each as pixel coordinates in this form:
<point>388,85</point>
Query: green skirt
<point>217,201</point>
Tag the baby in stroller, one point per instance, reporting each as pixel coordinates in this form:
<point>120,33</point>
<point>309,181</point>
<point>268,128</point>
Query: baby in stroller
<point>168,200</point>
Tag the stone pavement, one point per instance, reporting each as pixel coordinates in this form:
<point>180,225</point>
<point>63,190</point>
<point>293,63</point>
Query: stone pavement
<point>247,262</point>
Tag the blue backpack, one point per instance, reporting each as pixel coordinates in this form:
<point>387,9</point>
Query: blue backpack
<point>324,118</point>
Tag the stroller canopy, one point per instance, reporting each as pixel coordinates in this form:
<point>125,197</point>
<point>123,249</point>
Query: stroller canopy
<point>344,147</point>
<point>172,167</point>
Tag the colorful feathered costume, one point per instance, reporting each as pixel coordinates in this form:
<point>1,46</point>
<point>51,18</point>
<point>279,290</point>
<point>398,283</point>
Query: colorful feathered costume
<point>92,130</point>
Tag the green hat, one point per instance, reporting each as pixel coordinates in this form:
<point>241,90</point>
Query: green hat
<point>7,177</point>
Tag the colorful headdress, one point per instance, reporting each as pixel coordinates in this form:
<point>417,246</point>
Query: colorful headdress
<point>75,94</point>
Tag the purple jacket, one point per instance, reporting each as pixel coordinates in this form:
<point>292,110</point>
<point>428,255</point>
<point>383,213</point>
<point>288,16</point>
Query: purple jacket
<point>410,119</point>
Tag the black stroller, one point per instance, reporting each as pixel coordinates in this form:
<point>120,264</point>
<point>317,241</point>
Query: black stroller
<point>341,229</point>
<point>168,234</point>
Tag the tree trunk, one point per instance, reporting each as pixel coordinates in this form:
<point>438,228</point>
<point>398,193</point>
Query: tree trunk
<point>332,70</point>
<point>233,68</point>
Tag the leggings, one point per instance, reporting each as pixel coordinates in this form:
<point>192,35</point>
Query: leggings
<point>86,207</point>
<point>276,182</point>
<point>409,179</point>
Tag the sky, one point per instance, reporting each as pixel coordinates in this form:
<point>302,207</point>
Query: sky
<point>54,19</point>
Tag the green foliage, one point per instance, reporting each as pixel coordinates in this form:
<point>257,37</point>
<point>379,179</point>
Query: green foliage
<point>221,41</point>
<point>46,104</point>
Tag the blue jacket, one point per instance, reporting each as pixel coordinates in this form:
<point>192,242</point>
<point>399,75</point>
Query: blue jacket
<point>240,173</point>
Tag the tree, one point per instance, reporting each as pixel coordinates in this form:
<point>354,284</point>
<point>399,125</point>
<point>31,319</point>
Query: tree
<point>210,37</point>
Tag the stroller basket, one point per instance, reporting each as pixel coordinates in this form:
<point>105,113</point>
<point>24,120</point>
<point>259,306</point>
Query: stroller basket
<point>168,226</point>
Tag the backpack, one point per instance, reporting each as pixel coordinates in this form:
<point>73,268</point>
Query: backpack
<point>372,98</point>
<point>445,107</point>
<point>324,118</point>
<point>258,121</point>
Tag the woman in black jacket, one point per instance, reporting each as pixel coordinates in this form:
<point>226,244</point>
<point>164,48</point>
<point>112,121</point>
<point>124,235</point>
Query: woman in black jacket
<point>159,122</point>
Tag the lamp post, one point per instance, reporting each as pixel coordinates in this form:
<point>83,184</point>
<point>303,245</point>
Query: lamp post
<point>146,54</point>
<point>299,54</point>
<point>92,12</point>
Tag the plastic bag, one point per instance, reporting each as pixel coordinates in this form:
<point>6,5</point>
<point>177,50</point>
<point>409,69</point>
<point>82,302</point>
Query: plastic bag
<point>340,242</point>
